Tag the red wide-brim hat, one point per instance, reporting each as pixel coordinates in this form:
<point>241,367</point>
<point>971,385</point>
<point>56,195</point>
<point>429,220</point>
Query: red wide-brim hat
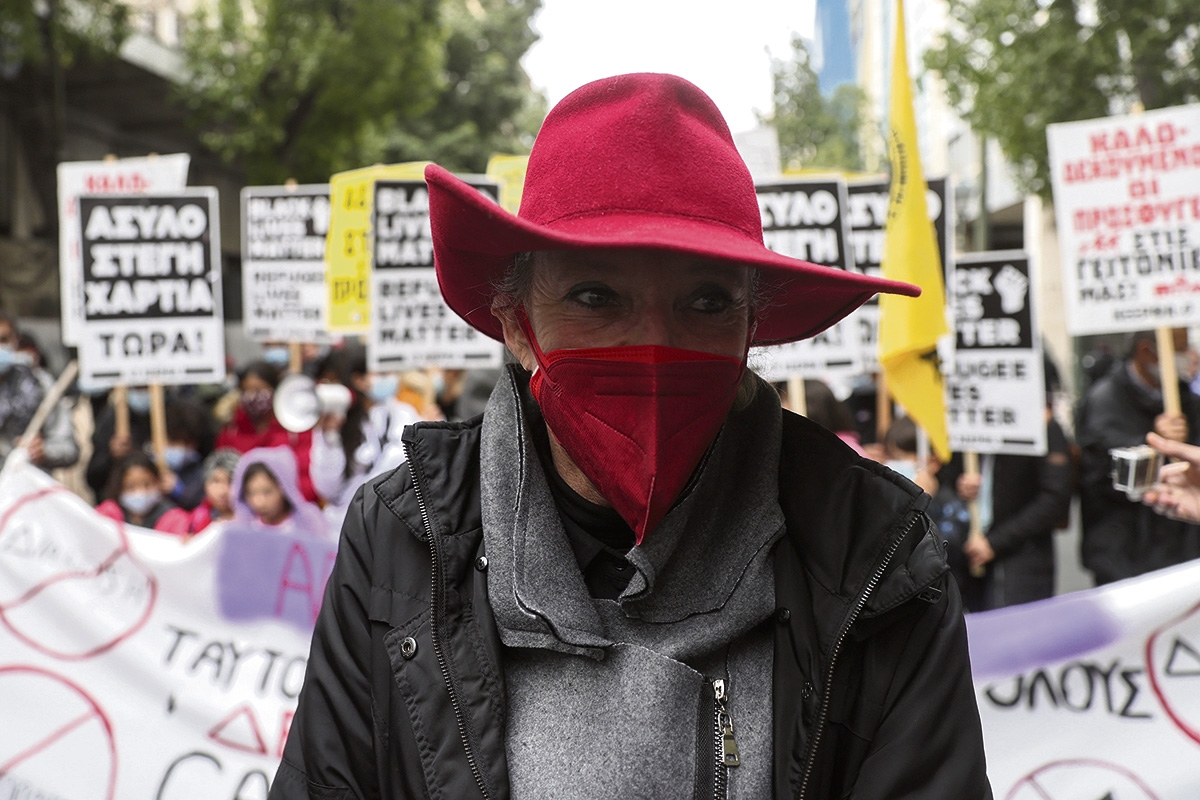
<point>634,161</point>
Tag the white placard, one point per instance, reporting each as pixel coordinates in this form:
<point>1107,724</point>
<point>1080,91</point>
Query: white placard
<point>412,326</point>
<point>152,288</point>
<point>120,176</point>
<point>805,218</point>
<point>284,296</point>
<point>1127,205</point>
<point>995,392</point>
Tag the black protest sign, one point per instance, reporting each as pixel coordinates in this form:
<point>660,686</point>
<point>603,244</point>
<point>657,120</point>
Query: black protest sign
<point>152,289</point>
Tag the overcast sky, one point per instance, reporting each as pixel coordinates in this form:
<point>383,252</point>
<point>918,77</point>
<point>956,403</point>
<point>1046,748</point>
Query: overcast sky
<point>722,47</point>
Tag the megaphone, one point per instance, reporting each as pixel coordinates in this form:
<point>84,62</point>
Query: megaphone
<point>300,402</point>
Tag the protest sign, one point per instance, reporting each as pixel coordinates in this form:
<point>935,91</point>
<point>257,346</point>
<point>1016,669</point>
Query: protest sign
<point>412,325</point>
<point>133,665</point>
<point>1093,694</point>
<point>348,247</point>
<point>995,392</point>
<point>805,218</point>
<point>152,289</point>
<point>1127,206</point>
<point>117,176</point>
<point>283,262</point>
<point>867,216</point>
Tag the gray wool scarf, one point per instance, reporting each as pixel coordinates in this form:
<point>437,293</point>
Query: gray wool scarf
<point>605,697</point>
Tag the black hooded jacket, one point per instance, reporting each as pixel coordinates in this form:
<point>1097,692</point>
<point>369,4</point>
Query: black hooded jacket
<point>404,694</point>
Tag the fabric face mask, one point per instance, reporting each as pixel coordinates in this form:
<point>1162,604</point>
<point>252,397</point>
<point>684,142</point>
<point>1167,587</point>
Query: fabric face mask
<point>635,420</point>
<point>139,503</point>
<point>258,403</point>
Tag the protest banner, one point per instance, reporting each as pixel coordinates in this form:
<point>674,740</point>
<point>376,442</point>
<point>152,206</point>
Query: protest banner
<point>136,667</point>
<point>113,177</point>
<point>411,325</point>
<point>1127,207</point>
<point>805,218</point>
<point>1094,694</point>
<point>348,247</point>
<point>284,296</point>
<point>867,216</point>
<point>152,285</point>
<point>995,392</point>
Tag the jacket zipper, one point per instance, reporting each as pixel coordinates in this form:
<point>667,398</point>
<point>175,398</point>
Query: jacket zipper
<point>859,604</point>
<point>434,622</point>
<point>725,749</point>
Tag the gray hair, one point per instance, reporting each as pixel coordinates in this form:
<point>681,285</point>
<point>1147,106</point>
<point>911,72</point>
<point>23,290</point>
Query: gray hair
<point>225,458</point>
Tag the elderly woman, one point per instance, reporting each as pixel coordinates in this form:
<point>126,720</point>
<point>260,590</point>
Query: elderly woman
<point>635,576</point>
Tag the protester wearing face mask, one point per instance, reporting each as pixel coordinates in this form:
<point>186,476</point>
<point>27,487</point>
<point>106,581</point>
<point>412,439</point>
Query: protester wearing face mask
<point>266,496</point>
<point>1122,538</point>
<point>349,449</point>
<point>189,441</point>
<point>54,446</point>
<point>254,423</point>
<point>20,390</point>
<point>107,446</point>
<point>133,496</point>
<point>635,575</point>
<point>217,505</point>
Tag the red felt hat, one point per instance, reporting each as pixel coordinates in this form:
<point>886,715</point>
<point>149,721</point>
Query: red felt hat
<point>634,161</point>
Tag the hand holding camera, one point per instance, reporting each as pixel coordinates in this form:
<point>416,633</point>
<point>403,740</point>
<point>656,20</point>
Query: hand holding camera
<point>1176,493</point>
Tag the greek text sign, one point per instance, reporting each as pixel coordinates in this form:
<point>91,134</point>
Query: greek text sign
<point>283,262</point>
<point>1127,204</point>
<point>121,176</point>
<point>412,325</point>
<point>805,219</point>
<point>152,289</point>
<point>995,394</point>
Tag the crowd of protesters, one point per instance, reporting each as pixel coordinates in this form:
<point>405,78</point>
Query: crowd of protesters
<point>227,456</point>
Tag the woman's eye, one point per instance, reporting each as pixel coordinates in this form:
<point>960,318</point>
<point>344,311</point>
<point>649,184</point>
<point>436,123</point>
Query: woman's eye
<point>714,302</point>
<point>593,296</point>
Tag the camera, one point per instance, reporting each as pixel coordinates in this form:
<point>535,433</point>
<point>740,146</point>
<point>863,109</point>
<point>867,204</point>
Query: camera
<point>1135,469</point>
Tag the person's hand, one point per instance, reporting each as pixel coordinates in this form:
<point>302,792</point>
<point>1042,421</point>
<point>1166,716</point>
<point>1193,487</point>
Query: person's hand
<point>1171,426</point>
<point>1177,493</point>
<point>331,423</point>
<point>979,551</point>
<point>34,445</point>
<point>168,482</point>
<point>968,486</point>
<point>120,446</point>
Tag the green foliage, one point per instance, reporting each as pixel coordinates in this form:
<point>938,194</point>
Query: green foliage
<point>1013,66</point>
<point>815,131</point>
<point>35,34</point>
<point>305,88</point>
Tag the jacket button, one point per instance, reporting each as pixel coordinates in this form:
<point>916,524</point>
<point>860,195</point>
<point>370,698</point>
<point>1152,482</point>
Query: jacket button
<point>408,647</point>
<point>806,691</point>
<point>481,563</point>
<point>782,614</point>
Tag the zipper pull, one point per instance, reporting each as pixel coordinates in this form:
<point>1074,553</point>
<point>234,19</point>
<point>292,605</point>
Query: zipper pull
<point>729,748</point>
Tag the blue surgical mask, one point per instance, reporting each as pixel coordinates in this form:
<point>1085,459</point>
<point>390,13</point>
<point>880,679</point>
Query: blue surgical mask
<point>138,400</point>
<point>903,466</point>
<point>8,357</point>
<point>179,457</point>
<point>140,503</point>
<point>277,356</point>
<point>439,384</point>
<point>383,387</point>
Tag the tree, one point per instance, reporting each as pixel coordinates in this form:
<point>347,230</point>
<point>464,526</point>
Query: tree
<point>305,88</point>
<point>1012,67</point>
<point>814,131</point>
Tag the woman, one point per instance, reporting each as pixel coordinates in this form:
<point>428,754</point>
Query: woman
<point>635,576</point>
<point>134,496</point>
<point>266,495</point>
<point>217,505</point>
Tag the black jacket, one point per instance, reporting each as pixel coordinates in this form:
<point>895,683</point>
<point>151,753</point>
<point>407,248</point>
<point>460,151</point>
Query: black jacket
<point>1123,538</point>
<point>404,692</point>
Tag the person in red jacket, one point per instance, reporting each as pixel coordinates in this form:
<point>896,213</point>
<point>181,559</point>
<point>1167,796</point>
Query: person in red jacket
<point>254,423</point>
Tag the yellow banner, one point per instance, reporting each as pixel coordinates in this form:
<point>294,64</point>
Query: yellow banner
<point>509,172</point>
<point>909,328</point>
<point>348,245</point>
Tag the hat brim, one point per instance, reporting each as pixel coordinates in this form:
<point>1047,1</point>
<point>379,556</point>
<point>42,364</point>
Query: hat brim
<point>474,241</point>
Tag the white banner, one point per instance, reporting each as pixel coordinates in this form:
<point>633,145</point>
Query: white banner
<point>134,666</point>
<point>1094,695</point>
<point>152,287</point>
<point>411,325</point>
<point>995,392</point>
<point>120,176</point>
<point>284,296</point>
<point>1127,205</point>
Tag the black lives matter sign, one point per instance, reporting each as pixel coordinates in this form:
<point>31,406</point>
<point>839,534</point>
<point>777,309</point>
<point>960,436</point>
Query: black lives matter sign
<point>995,393</point>
<point>411,324</point>
<point>152,289</point>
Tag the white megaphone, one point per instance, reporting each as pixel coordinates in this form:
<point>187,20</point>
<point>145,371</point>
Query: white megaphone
<point>300,402</point>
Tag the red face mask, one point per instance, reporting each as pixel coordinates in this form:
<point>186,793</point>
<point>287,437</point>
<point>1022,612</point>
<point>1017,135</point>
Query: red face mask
<point>636,420</point>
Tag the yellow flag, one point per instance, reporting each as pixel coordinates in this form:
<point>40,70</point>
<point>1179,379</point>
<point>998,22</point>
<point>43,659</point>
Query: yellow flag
<point>909,328</point>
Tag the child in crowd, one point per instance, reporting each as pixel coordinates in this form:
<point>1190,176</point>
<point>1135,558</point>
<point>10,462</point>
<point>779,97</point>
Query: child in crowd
<point>217,505</point>
<point>133,495</point>
<point>266,494</point>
